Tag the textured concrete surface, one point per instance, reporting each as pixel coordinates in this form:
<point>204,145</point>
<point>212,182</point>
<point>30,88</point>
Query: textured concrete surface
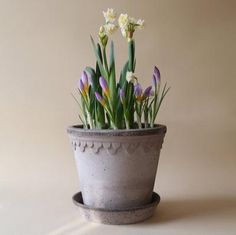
<point>116,217</point>
<point>117,171</point>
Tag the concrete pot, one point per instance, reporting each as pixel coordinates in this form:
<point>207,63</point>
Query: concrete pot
<point>117,168</point>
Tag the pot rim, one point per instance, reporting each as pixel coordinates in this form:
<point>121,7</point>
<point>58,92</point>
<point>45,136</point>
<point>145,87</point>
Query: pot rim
<point>79,131</point>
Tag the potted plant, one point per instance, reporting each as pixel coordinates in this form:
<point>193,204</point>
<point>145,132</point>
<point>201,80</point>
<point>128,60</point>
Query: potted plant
<point>117,146</point>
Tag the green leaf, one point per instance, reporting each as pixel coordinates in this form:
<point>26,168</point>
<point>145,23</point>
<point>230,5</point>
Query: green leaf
<point>164,92</point>
<point>112,57</point>
<point>95,107</point>
<point>99,51</point>
<point>105,59</point>
<point>112,77</point>
<point>120,116</point>
<point>99,61</point>
<point>134,65</point>
<point>130,103</point>
<point>131,54</point>
<point>122,80</point>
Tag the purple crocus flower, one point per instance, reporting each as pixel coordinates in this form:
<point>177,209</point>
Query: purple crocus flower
<point>84,78</point>
<point>122,95</point>
<point>157,73</point>
<point>154,80</point>
<point>147,91</point>
<point>156,76</point>
<point>138,91</point>
<point>81,87</point>
<point>103,84</point>
<point>100,98</point>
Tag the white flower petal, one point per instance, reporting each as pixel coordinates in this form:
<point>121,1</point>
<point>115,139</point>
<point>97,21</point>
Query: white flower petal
<point>130,77</point>
<point>110,28</point>
<point>140,23</point>
<point>123,20</point>
<point>109,15</point>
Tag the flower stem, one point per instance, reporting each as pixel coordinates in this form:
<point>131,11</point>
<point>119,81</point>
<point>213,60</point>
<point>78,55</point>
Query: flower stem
<point>90,120</point>
<point>127,123</point>
<point>139,122</point>
<point>113,125</point>
<point>105,58</point>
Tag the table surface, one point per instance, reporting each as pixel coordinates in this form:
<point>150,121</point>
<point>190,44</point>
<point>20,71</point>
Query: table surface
<point>197,188</point>
<point>44,45</point>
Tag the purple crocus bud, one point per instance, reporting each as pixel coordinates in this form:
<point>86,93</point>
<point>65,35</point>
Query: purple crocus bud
<point>138,91</point>
<point>152,93</point>
<point>100,98</point>
<point>154,80</point>
<point>84,78</point>
<point>81,87</point>
<point>147,91</point>
<point>157,74</point>
<point>103,84</point>
<point>122,95</point>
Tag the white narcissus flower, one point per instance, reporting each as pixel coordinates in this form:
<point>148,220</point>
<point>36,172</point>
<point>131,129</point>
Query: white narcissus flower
<point>140,23</point>
<point>128,25</point>
<point>110,28</point>
<point>124,32</point>
<point>123,20</point>
<point>130,77</point>
<point>110,15</point>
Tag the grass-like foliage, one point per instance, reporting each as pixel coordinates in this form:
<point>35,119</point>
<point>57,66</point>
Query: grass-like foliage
<point>110,103</point>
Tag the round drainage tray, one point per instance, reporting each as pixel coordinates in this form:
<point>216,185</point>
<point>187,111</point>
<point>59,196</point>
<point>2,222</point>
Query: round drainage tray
<point>123,216</point>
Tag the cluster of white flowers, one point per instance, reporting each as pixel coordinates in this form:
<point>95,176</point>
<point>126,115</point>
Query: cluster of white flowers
<point>109,27</point>
<point>127,25</point>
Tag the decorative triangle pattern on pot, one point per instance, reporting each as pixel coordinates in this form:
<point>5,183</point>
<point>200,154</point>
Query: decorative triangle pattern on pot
<point>113,147</point>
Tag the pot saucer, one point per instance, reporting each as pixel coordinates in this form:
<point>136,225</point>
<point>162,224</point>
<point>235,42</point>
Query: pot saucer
<point>124,216</point>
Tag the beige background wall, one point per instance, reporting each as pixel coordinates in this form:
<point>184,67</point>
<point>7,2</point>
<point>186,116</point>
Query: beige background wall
<point>44,45</point>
